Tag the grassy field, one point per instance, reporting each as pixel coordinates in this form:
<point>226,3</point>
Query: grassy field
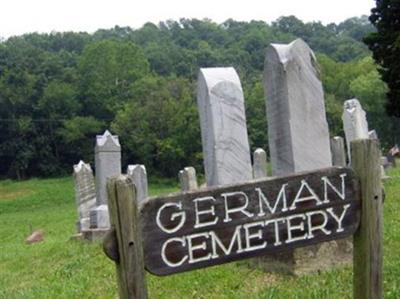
<point>61,268</point>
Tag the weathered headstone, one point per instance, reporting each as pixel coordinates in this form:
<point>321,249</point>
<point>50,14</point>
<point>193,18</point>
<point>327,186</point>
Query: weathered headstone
<point>223,127</point>
<point>338,151</point>
<point>99,218</point>
<point>356,126</point>
<point>373,135</point>
<point>297,127</point>
<point>354,123</point>
<point>108,164</point>
<point>298,141</point>
<point>392,154</point>
<point>139,177</point>
<point>85,194</point>
<point>188,179</point>
<point>259,164</point>
<point>385,162</point>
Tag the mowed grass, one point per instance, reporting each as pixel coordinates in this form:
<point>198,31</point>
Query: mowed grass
<point>62,268</point>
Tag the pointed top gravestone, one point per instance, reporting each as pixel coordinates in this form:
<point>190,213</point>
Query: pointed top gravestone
<point>108,164</point>
<point>225,141</point>
<point>107,143</point>
<point>297,127</point>
<point>81,166</point>
<point>85,193</point>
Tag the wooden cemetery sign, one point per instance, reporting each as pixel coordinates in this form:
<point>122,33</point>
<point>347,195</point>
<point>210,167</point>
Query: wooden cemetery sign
<point>197,229</point>
<point>201,228</point>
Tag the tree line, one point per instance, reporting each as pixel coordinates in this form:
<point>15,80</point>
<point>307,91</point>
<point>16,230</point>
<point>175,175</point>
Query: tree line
<point>58,90</point>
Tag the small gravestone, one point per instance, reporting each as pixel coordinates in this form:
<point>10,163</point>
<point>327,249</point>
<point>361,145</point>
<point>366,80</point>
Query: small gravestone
<point>188,179</point>
<point>299,141</point>
<point>108,164</point>
<point>338,151</point>
<point>356,126</point>
<point>139,177</point>
<point>85,194</point>
<point>223,126</point>
<point>385,162</point>
<point>392,154</point>
<point>373,135</point>
<point>355,123</point>
<point>259,163</point>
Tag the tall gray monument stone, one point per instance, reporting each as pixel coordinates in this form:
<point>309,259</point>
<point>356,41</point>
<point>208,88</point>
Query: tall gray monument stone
<point>224,136</point>
<point>297,127</point>
<point>298,141</point>
<point>108,164</point>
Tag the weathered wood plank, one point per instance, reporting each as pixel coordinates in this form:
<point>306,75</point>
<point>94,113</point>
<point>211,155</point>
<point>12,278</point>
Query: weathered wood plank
<point>125,222</point>
<point>365,156</point>
<point>202,228</point>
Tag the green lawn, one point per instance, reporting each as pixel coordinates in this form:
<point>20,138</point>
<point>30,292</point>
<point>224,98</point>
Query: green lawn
<point>61,268</point>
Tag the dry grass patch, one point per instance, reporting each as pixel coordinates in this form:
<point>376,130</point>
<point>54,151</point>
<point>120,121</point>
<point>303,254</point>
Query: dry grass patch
<point>6,194</point>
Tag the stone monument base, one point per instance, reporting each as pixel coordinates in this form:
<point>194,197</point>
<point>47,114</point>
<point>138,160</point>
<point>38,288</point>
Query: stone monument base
<point>310,259</point>
<point>99,217</point>
<point>94,234</point>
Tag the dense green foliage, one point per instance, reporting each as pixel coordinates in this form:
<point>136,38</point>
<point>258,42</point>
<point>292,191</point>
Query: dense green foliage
<point>60,268</point>
<point>57,91</point>
<point>385,46</point>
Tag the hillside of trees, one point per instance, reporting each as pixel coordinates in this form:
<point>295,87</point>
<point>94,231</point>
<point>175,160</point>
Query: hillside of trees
<point>58,90</point>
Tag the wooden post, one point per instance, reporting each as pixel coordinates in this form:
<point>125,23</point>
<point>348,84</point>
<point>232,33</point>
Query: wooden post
<point>365,157</point>
<point>124,242</point>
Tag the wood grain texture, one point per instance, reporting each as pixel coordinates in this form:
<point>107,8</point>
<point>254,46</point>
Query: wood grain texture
<point>368,249</point>
<point>154,237</point>
<point>125,222</point>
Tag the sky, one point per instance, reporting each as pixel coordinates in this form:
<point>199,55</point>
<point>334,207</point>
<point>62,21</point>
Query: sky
<point>44,16</point>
